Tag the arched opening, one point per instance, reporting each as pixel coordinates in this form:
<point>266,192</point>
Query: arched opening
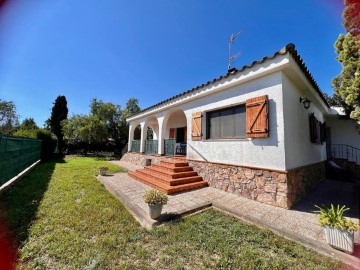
<point>151,130</point>
<point>175,130</point>
<point>135,137</point>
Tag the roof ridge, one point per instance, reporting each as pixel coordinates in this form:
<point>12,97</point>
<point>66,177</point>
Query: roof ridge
<point>290,47</point>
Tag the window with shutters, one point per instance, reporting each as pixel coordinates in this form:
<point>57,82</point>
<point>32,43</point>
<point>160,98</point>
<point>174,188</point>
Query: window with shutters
<point>227,123</point>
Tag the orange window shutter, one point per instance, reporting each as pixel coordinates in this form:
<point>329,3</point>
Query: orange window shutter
<point>172,133</point>
<point>257,117</point>
<point>196,134</point>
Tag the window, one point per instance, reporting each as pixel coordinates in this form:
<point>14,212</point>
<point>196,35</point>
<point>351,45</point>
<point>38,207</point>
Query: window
<point>226,123</point>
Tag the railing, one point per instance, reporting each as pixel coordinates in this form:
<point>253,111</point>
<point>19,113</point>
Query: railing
<point>151,146</point>
<point>169,147</point>
<point>16,154</point>
<point>344,151</point>
<point>135,146</point>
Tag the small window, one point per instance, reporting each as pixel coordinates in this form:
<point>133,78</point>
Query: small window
<point>226,123</point>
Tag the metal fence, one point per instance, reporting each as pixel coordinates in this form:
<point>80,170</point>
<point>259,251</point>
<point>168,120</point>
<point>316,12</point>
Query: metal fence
<point>16,154</point>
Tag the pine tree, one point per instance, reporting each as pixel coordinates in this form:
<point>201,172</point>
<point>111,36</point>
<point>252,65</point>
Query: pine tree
<point>59,112</point>
<point>347,84</point>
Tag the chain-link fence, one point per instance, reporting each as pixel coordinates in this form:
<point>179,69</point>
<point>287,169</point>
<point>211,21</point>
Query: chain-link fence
<point>16,154</point>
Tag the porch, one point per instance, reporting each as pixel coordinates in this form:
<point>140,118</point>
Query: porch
<point>164,135</point>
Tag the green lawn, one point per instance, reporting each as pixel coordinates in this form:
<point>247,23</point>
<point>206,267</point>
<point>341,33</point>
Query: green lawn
<point>63,218</point>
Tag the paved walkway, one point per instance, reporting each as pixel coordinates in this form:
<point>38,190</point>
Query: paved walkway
<point>299,224</point>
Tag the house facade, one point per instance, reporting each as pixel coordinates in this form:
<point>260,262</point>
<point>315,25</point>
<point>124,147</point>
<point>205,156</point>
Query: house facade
<point>247,132</point>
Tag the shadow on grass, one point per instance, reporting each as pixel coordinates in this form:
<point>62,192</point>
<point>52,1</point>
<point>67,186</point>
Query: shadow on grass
<point>19,204</point>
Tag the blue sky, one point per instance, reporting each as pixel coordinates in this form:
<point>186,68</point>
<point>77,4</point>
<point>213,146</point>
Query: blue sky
<point>150,50</point>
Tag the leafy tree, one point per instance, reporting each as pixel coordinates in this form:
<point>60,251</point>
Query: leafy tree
<point>89,129</point>
<point>352,17</point>
<point>9,120</point>
<point>59,113</point>
<point>28,124</point>
<point>132,107</point>
<point>347,84</point>
<point>110,114</point>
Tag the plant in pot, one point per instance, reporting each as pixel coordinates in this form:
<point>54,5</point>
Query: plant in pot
<point>103,170</point>
<point>339,231</point>
<point>155,200</point>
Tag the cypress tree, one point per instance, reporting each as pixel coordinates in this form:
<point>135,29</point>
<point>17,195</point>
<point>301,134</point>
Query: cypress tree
<point>59,112</point>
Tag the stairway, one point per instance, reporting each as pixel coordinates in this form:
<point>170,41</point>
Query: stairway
<point>169,176</point>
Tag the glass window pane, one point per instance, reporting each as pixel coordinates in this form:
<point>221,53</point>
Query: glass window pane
<point>227,123</point>
<point>240,122</point>
<point>214,125</point>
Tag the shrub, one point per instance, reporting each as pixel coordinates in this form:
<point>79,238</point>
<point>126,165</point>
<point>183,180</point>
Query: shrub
<point>155,197</point>
<point>333,217</point>
<point>48,144</point>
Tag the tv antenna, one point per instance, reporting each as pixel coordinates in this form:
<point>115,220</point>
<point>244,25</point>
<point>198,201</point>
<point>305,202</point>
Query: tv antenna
<point>233,57</point>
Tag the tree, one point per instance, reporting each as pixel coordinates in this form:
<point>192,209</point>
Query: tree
<point>352,17</point>
<point>89,129</point>
<point>110,114</point>
<point>59,113</point>
<point>28,124</point>
<point>132,107</point>
<point>9,120</point>
<point>347,84</point>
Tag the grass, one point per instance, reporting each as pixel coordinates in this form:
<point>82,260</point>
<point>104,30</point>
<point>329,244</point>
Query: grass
<point>63,218</point>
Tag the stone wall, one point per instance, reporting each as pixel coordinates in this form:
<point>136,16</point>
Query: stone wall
<point>279,188</point>
<point>304,179</point>
<point>261,185</point>
<point>140,159</point>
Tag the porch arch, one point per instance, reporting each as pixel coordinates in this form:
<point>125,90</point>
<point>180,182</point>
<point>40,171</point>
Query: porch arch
<point>174,132</point>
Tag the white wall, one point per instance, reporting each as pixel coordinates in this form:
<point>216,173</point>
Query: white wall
<point>299,150</point>
<point>343,131</point>
<point>261,152</point>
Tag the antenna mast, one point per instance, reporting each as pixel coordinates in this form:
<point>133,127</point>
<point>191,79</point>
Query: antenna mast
<point>232,58</point>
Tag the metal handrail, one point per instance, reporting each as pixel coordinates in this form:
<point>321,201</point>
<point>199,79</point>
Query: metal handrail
<point>344,151</point>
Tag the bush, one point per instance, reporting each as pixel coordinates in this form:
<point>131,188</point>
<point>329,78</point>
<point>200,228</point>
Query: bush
<point>155,197</point>
<point>333,217</point>
<point>49,142</point>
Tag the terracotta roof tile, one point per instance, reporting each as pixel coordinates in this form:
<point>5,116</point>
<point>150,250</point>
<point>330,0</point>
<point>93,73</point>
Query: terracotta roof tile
<point>288,48</point>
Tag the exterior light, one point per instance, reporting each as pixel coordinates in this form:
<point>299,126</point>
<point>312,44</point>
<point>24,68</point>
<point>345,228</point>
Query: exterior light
<point>306,102</point>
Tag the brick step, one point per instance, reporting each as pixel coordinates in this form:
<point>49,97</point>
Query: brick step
<point>166,174</point>
<point>166,188</point>
<point>172,168</point>
<point>169,181</point>
<point>174,163</point>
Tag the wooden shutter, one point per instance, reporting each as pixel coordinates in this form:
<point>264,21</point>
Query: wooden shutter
<point>172,133</point>
<point>313,129</point>
<point>196,126</point>
<point>257,117</point>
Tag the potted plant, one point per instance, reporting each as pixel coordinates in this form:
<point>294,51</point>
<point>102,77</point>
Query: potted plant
<point>103,170</point>
<point>155,199</point>
<point>339,231</point>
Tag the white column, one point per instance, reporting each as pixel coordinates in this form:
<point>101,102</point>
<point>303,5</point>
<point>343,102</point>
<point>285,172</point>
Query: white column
<point>161,136</point>
<point>143,137</point>
<point>131,136</point>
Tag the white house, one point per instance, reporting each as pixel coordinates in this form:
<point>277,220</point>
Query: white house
<point>248,132</point>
